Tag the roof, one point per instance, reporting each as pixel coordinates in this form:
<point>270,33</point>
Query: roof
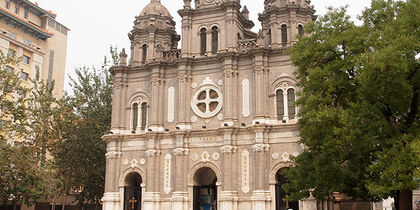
<point>39,9</point>
<point>38,31</point>
<point>155,8</point>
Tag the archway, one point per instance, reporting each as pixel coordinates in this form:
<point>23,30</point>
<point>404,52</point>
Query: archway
<point>132,191</point>
<point>282,200</point>
<point>205,189</point>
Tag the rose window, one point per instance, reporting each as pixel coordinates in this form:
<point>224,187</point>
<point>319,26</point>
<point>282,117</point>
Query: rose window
<point>207,101</point>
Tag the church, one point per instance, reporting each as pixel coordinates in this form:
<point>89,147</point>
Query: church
<point>211,124</point>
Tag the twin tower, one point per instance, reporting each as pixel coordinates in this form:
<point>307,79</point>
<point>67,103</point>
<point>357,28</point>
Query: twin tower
<point>211,27</point>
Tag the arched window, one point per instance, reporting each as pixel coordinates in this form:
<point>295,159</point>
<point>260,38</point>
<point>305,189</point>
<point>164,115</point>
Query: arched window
<point>291,103</point>
<point>239,36</point>
<point>301,31</point>
<point>284,34</point>
<point>143,115</point>
<point>135,117</point>
<point>144,53</point>
<point>269,37</point>
<point>214,39</point>
<point>280,104</point>
<point>203,41</point>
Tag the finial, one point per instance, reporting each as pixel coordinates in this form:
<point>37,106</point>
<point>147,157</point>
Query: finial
<point>123,58</point>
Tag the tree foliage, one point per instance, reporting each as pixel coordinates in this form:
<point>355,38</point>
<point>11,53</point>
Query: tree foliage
<point>80,157</point>
<point>359,106</point>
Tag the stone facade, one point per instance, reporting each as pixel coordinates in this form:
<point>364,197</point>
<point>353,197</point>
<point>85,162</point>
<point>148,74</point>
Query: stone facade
<point>212,123</point>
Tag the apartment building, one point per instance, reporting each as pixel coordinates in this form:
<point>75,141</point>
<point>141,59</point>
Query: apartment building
<point>32,33</point>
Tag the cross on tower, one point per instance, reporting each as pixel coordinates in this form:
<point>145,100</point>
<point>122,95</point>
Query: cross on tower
<point>132,202</point>
<point>286,200</point>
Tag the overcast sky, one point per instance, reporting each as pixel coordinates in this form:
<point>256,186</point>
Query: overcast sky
<point>97,24</point>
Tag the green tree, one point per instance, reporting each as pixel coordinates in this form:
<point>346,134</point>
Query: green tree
<point>12,105</point>
<point>80,157</point>
<point>359,105</point>
<point>21,181</point>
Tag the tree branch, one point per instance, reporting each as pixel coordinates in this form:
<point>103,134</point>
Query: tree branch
<point>391,119</point>
<point>413,108</point>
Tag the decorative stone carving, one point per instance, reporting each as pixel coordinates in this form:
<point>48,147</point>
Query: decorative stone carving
<point>245,171</point>
<point>142,161</point>
<point>125,162</point>
<point>228,149</point>
<point>220,116</point>
<point>261,147</point>
<point>194,157</point>
<point>194,119</point>
<point>194,85</point>
<point>215,156</point>
<point>113,154</point>
<point>167,174</point>
<point>295,154</point>
<point>180,151</point>
<point>134,163</point>
<point>152,153</point>
<point>275,156</point>
<point>205,157</point>
<point>220,82</point>
<point>285,157</point>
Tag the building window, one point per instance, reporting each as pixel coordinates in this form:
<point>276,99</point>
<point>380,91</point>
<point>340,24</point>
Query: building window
<point>214,39</point>
<point>291,103</point>
<point>144,53</point>
<point>280,104</point>
<point>301,31</point>
<point>143,115</point>
<point>27,42</point>
<point>135,111</point>
<point>269,40</point>
<point>284,34</point>
<point>7,4</point>
<point>16,10</point>
<point>12,35</point>
<point>25,14</point>
<point>239,36</point>
<point>9,69</point>
<point>26,59</point>
<point>24,76</point>
<point>286,105</point>
<point>22,94</point>
<point>203,41</point>
<point>11,53</point>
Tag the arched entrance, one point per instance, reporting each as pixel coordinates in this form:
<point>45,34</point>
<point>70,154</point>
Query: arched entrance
<point>132,191</point>
<point>205,189</point>
<point>282,201</point>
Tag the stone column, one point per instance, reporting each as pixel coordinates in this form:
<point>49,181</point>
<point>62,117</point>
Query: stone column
<point>115,121</point>
<point>259,86</point>
<point>228,85</point>
<point>112,198</point>
<point>151,197</point>
<point>260,149</point>
<point>179,196</point>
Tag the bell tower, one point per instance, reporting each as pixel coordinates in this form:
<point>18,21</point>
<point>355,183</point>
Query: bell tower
<point>213,26</point>
<point>153,33</point>
<point>282,20</point>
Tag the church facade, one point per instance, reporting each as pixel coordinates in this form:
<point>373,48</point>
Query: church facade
<point>212,124</point>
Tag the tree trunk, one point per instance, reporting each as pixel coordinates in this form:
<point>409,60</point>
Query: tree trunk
<point>404,200</point>
<point>65,198</point>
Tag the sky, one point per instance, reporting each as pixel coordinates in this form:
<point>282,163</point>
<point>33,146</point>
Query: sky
<point>98,24</point>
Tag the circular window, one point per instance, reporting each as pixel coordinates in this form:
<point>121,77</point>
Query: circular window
<point>207,101</point>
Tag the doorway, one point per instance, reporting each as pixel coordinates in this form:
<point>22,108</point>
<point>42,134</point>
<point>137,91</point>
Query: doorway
<point>282,198</point>
<point>132,192</point>
<point>205,189</point>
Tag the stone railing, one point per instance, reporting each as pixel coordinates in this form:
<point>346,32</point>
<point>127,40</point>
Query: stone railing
<point>171,55</point>
<point>247,44</point>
